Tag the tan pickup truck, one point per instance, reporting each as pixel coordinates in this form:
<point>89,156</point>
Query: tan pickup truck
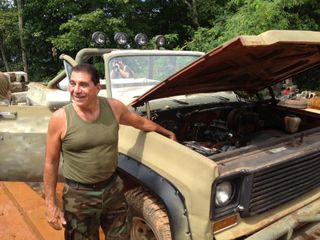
<point>244,166</point>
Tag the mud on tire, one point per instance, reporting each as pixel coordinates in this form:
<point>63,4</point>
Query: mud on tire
<point>150,219</point>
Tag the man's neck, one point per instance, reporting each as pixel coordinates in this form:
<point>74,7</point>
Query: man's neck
<point>89,112</point>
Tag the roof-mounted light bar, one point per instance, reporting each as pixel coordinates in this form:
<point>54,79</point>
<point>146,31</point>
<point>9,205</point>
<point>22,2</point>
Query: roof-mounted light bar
<point>121,39</point>
<point>141,39</point>
<point>99,38</point>
<point>161,41</point>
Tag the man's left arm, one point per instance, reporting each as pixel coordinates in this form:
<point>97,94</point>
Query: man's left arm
<point>132,119</point>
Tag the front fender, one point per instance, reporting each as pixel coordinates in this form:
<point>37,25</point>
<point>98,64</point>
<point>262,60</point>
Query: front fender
<point>190,173</point>
<point>164,190</point>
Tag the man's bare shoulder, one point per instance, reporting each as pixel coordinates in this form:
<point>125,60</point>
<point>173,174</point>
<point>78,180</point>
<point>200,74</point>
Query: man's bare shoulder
<point>58,119</point>
<point>117,107</point>
<point>115,103</point>
<point>59,115</point>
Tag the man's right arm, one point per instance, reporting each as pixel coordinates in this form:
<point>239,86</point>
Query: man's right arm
<point>50,177</point>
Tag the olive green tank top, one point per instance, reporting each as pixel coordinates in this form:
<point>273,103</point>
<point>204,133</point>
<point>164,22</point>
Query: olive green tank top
<point>90,150</point>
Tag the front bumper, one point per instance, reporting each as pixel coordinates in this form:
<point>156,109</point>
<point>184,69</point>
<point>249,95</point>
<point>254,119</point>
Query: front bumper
<point>306,218</point>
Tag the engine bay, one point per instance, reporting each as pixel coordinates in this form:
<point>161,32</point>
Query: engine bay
<point>211,129</point>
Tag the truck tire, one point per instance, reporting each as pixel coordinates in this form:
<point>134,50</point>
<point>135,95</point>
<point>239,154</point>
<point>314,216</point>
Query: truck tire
<point>150,219</point>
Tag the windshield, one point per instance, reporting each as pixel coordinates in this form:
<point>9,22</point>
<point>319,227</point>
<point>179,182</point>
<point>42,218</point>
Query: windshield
<point>132,76</point>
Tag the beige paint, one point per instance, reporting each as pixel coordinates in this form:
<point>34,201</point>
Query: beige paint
<point>22,143</point>
<point>191,173</point>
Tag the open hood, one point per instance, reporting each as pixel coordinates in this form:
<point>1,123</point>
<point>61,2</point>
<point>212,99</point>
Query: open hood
<point>245,63</point>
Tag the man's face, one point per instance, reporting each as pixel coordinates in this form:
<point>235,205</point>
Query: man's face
<point>82,89</point>
<point>121,64</point>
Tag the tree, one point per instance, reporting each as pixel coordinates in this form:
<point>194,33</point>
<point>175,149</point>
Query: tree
<point>10,54</point>
<point>67,26</point>
<point>152,17</point>
<point>21,36</point>
<point>78,31</point>
<point>256,16</point>
<point>55,26</point>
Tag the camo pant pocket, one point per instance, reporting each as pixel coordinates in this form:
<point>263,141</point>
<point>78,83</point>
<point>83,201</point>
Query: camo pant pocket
<point>84,229</point>
<point>82,211</point>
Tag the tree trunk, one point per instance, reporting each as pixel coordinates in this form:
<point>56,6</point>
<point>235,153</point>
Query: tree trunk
<point>21,34</point>
<point>193,9</point>
<point>4,58</point>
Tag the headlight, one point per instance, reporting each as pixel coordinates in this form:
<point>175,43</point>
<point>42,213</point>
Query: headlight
<point>141,39</point>
<point>99,38</point>
<point>160,41</point>
<point>121,39</point>
<point>224,194</point>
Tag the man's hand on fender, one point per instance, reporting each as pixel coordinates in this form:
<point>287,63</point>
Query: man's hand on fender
<point>173,136</point>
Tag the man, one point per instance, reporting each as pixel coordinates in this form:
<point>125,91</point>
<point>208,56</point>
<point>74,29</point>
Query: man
<point>86,133</point>
<point>121,70</point>
<point>5,89</point>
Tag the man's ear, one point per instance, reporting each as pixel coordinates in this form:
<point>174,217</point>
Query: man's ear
<point>99,86</point>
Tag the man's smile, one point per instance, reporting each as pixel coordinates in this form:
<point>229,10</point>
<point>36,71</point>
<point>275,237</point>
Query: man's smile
<point>78,98</point>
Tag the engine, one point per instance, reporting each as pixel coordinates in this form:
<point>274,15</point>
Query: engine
<point>214,130</point>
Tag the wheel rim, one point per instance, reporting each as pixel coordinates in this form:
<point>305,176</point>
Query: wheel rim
<point>140,230</point>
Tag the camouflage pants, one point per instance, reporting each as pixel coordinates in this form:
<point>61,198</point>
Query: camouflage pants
<point>86,210</point>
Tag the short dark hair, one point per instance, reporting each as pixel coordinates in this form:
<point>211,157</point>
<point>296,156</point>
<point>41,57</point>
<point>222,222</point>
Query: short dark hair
<point>90,69</point>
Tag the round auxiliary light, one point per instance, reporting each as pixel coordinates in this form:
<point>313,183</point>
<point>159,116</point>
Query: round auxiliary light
<point>224,194</point>
<point>160,41</point>
<point>99,38</point>
<point>141,39</point>
<point>121,38</point>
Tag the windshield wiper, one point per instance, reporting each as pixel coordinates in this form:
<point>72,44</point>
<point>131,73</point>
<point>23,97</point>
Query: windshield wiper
<point>223,98</point>
<point>180,102</point>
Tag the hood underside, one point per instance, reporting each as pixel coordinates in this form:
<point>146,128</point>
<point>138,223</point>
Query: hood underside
<point>245,63</point>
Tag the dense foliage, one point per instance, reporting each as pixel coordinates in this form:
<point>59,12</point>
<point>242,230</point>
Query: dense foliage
<point>55,26</point>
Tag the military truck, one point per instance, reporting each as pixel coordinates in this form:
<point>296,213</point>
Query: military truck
<point>245,165</point>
